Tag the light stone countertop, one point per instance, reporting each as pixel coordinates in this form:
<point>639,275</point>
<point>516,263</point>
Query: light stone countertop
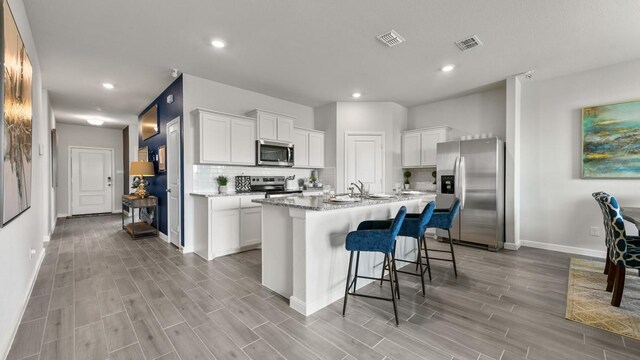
<point>215,194</point>
<point>317,203</point>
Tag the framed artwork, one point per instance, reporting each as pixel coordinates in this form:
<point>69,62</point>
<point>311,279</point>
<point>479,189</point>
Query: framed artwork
<point>162,158</point>
<point>15,124</point>
<point>149,122</point>
<point>143,153</point>
<point>611,140</point>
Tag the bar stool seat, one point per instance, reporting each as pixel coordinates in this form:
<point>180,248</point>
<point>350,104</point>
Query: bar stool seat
<point>368,238</point>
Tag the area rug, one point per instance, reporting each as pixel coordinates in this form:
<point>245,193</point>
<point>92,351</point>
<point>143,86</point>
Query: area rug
<point>588,302</point>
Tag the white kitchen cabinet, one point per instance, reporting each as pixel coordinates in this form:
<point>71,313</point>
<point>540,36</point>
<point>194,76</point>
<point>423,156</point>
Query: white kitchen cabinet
<point>225,225</point>
<point>419,147</point>
<point>273,126</point>
<point>243,142</point>
<point>224,138</point>
<point>308,149</point>
<point>411,149</point>
<point>316,149</point>
<point>300,148</point>
<point>214,138</point>
<point>250,226</point>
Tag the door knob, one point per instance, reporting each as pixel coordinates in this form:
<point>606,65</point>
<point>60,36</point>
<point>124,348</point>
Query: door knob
<point>168,190</point>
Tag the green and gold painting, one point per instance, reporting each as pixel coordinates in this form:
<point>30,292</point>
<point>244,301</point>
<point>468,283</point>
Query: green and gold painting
<point>611,140</point>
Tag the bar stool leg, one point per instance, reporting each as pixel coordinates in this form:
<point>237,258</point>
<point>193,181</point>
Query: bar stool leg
<point>355,280</point>
<point>393,298</point>
<point>420,264</point>
<point>346,288</point>
<point>383,267</point>
<point>426,256</point>
<point>395,273</point>
<point>453,255</point>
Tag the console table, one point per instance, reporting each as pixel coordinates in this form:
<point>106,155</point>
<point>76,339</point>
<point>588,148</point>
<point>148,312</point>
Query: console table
<point>140,228</point>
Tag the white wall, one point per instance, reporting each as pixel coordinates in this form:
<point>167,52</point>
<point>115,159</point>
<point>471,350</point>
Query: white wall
<point>556,204</point>
<point>88,136</point>
<point>478,113</point>
<point>202,93</point>
<point>17,268</point>
<point>386,117</point>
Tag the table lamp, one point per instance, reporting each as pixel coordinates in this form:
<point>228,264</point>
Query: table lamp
<point>142,169</point>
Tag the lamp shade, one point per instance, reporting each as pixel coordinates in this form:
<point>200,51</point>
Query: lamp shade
<point>141,168</point>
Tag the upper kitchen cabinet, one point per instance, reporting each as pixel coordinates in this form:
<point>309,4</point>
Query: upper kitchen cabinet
<point>224,138</point>
<point>273,126</point>
<point>419,147</point>
<point>308,148</point>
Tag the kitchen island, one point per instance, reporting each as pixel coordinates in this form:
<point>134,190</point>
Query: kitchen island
<point>303,254</point>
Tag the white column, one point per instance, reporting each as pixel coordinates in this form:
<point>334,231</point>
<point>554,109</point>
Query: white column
<point>512,183</point>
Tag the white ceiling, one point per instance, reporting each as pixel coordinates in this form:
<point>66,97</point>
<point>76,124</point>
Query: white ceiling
<point>314,52</point>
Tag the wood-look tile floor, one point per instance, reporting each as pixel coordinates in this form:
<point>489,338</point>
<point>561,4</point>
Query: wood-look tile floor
<point>101,295</point>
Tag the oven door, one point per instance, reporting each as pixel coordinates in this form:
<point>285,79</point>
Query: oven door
<point>273,153</point>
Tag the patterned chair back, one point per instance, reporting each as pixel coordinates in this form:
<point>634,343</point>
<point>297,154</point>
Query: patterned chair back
<point>618,234</point>
<point>600,196</point>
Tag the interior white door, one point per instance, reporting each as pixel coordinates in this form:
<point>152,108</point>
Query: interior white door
<point>173,180</point>
<point>91,181</point>
<point>365,161</point>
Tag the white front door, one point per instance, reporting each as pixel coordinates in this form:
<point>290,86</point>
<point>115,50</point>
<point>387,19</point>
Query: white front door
<point>365,161</point>
<point>91,181</point>
<point>173,180</point>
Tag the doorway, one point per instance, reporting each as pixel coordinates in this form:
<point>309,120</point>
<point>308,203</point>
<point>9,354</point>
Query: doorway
<point>91,186</point>
<point>173,181</point>
<point>364,160</point>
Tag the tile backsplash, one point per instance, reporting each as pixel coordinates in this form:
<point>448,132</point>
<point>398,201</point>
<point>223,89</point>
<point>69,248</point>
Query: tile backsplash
<point>204,176</point>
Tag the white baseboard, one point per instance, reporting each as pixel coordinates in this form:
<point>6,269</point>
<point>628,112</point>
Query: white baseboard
<point>163,236</point>
<point>16,323</point>
<point>186,250</point>
<point>46,238</point>
<point>512,246</point>
<point>62,215</point>
<point>564,249</point>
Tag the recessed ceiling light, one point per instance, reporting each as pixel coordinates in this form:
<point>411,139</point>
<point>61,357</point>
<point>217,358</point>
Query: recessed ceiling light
<point>356,95</point>
<point>96,122</point>
<point>218,44</point>
<point>448,68</point>
<point>108,86</point>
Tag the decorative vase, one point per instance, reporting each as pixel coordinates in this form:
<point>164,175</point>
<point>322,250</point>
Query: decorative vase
<point>222,189</point>
<point>406,186</point>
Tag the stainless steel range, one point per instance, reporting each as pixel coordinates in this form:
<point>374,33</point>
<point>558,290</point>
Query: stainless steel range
<point>274,186</point>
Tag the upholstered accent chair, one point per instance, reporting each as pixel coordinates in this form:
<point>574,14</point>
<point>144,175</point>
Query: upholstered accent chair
<point>623,254</point>
<point>371,238</point>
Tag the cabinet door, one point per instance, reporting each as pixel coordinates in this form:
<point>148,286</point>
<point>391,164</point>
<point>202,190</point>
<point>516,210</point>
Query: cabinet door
<point>411,149</point>
<point>430,139</point>
<point>316,150</point>
<point>267,126</point>
<point>300,148</point>
<point>215,136</point>
<point>243,142</point>
<point>285,129</point>
<point>224,232</point>
<point>250,226</point>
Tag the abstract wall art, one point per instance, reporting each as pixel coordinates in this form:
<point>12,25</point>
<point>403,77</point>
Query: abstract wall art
<point>15,125</point>
<point>611,140</point>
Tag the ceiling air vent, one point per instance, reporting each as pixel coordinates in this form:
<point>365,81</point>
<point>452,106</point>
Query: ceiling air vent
<point>391,38</point>
<point>468,43</point>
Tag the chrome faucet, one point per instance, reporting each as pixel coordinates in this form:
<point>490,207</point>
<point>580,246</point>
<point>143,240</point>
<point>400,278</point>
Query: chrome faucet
<point>360,188</point>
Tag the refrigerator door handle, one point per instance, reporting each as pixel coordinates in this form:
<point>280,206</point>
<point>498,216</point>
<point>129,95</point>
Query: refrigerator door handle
<point>463,181</point>
<point>456,177</point>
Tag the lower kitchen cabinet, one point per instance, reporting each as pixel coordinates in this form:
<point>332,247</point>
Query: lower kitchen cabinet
<point>226,225</point>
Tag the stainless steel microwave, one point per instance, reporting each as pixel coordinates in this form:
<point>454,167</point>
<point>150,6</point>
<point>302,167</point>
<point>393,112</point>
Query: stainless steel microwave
<point>274,153</point>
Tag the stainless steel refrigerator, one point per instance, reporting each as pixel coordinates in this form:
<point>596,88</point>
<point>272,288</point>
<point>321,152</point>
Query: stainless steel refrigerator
<point>473,171</point>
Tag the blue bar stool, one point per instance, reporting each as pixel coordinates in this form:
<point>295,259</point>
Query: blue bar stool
<point>414,225</point>
<point>369,237</point>
<point>443,219</point>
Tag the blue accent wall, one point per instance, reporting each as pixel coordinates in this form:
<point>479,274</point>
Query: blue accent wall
<point>166,113</point>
